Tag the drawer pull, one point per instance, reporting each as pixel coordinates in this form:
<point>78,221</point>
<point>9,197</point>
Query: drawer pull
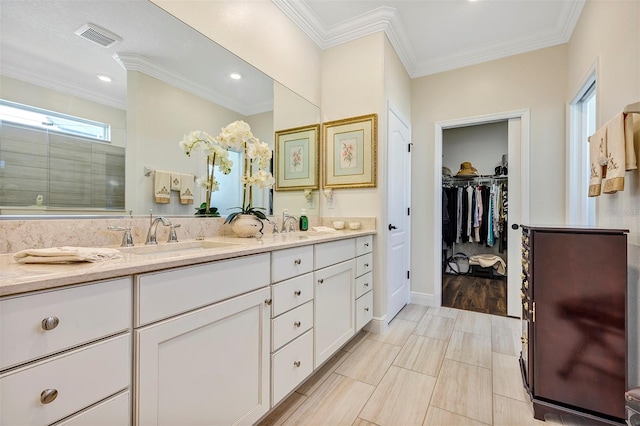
<point>366,309</point>
<point>366,265</point>
<point>50,323</point>
<point>48,395</point>
<point>297,323</point>
<point>321,280</point>
<point>297,261</point>
<point>296,363</point>
<point>366,284</point>
<point>366,244</point>
<point>267,302</point>
<point>297,292</point>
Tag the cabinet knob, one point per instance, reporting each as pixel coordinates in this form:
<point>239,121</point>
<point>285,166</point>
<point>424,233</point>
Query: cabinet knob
<point>267,302</point>
<point>366,265</point>
<point>297,363</point>
<point>366,244</point>
<point>297,292</point>
<point>48,395</point>
<point>50,323</point>
<point>321,280</point>
<point>297,323</point>
<point>366,309</point>
<point>297,261</point>
<point>366,284</point>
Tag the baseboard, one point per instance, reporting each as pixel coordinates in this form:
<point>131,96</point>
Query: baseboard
<point>424,299</point>
<point>377,325</point>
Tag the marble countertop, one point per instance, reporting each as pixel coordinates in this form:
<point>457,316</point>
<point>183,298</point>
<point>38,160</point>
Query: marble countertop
<point>16,278</point>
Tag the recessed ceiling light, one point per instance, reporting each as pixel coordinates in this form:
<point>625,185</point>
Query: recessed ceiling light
<point>104,78</point>
<point>235,75</point>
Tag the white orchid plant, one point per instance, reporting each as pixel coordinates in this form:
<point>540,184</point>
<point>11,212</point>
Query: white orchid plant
<point>257,155</point>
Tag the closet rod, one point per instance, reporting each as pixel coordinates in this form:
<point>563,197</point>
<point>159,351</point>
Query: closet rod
<point>632,108</point>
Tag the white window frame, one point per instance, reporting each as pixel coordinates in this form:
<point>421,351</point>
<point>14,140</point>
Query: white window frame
<point>582,113</point>
<point>40,118</point>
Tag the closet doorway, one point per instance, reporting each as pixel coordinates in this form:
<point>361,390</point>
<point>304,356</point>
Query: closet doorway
<point>475,217</point>
<point>518,195</point>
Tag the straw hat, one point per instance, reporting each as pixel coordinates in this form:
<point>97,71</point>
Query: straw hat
<point>466,169</point>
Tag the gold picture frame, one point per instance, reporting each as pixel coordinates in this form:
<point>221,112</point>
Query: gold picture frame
<point>296,158</point>
<point>350,150</point>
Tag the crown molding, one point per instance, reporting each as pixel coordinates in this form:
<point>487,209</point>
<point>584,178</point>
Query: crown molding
<point>62,86</point>
<point>387,19</point>
<point>136,62</point>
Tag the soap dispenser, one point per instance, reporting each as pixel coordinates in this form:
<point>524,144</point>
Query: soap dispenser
<point>304,221</point>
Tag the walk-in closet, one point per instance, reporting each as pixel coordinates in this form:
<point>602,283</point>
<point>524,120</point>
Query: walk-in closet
<point>475,177</point>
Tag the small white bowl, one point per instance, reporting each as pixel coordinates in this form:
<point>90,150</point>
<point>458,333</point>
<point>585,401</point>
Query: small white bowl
<point>338,224</point>
<point>354,225</point>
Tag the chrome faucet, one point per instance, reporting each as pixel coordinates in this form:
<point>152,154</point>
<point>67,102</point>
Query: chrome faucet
<point>151,235</point>
<point>291,220</point>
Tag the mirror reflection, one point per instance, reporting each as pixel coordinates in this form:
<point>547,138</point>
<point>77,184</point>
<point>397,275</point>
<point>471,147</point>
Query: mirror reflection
<point>166,80</point>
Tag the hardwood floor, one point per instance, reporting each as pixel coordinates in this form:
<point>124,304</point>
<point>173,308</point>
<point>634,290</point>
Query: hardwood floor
<point>431,367</point>
<point>470,293</point>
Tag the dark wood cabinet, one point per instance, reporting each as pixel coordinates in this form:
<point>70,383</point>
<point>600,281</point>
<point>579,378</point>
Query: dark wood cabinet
<point>574,342</point>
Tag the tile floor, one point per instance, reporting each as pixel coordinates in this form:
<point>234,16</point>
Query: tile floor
<point>433,366</point>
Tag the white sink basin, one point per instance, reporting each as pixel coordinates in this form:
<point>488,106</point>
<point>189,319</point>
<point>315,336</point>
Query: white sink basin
<point>175,248</point>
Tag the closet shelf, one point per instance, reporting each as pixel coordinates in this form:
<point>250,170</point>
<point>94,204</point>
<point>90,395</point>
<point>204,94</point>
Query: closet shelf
<point>458,181</point>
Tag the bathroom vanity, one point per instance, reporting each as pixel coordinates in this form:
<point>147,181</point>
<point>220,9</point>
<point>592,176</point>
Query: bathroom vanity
<point>216,335</point>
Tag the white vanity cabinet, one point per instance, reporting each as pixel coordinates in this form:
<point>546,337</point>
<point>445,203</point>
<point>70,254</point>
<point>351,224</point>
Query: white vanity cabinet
<point>210,364</point>
<point>364,281</point>
<point>334,282</point>
<point>67,351</point>
<point>292,320</point>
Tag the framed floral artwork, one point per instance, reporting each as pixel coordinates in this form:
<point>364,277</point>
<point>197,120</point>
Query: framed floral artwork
<point>350,150</point>
<point>297,158</point>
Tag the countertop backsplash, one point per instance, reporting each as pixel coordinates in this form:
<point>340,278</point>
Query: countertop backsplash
<point>19,234</point>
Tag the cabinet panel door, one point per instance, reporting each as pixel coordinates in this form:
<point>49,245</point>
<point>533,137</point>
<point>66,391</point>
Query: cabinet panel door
<point>210,366</point>
<point>291,293</point>
<point>291,365</point>
<point>291,262</point>
<point>334,322</point>
<point>364,245</point>
<point>364,310</point>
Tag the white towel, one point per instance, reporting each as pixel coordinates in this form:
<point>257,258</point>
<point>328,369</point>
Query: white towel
<point>487,260</point>
<point>186,190</point>
<point>597,153</point>
<point>176,179</point>
<point>162,186</point>
<point>616,154</point>
<point>66,255</point>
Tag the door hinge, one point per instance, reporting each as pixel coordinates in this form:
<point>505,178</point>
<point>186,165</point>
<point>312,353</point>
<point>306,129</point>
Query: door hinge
<point>409,147</point>
<point>408,274</point>
<point>408,211</point>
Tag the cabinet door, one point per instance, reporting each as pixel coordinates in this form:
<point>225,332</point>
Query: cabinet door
<point>209,366</point>
<point>334,321</point>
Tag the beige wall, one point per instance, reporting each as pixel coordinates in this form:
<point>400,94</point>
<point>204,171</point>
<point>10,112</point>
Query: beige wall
<point>258,32</point>
<point>609,33</point>
<point>534,81</point>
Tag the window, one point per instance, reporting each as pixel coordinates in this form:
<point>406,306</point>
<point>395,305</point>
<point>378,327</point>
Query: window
<point>581,208</point>
<point>53,121</point>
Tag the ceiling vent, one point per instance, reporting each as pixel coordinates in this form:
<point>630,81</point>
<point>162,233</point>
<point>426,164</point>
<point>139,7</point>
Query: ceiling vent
<point>97,35</point>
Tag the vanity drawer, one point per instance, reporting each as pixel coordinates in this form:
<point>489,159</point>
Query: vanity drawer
<point>364,264</point>
<point>113,411</point>
<point>81,378</point>
<point>364,283</point>
<point>83,313</point>
<point>291,262</point>
<point>291,293</point>
<point>364,310</point>
<point>291,325</point>
<point>327,254</point>
<point>290,366</point>
<point>364,245</point>
<point>161,295</point>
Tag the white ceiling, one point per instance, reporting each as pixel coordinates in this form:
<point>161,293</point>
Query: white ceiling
<point>431,36</point>
<point>38,45</point>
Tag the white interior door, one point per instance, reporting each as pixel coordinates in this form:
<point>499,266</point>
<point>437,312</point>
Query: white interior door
<point>515,216</point>
<point>399,223</point>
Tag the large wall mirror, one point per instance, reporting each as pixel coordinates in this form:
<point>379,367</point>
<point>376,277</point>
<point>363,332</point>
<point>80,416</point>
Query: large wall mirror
<point>166,80</point>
